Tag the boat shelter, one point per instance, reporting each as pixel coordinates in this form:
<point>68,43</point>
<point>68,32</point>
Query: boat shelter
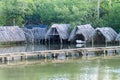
<point>104,34</point>
<point>82,32</point>
<point>35,33</point>
<point>11,34</point>
<point>58,32</point>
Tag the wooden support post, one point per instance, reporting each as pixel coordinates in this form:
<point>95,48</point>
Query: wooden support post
<point>61,41</point>
<point>8,61</point>
<point>66,53</point>
<point>115,51</point>
<point>92,41</point>
<point>86,54</point>
<point>45,55</point>
<point>5,59</point>
<point>8,58</point>
<point>82,52</point>
<point>21,58</point>
<point>38,56</point>
<point>12,58</point>
<point>26,56</point>
<point>105,52</point>
<point>0,59</point>
<point>49,40</point>
<point>54,55</point>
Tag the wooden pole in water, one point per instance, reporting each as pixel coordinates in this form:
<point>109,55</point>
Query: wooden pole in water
<point>54,54</point>
<point>5,59</point>
<point>21,58</point>
<point>105,43</point>
<point>38,56</point>
<point>92,41</point>
<point>26,56</point>
<point>45,55</point>
<point>49,40</point>
<point>66,53</point>
<point>61,41</point>
<point>12,58</point>
<point>119,43</point>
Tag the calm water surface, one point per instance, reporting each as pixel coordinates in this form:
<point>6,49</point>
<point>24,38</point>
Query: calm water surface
<point>40,47</point>
<point>102,68</point>
<point>80,68</point>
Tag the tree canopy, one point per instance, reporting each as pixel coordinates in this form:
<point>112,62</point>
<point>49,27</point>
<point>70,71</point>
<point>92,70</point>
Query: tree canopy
<point>95,12</point>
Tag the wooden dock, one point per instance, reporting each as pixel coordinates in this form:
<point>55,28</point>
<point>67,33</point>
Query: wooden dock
<point>83,51</point>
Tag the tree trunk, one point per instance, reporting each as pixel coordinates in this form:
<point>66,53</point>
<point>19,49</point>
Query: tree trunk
<point>98,8</point>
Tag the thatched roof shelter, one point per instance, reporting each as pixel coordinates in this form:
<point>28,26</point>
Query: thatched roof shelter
<point>118,37</point>
<point>58,31</point>
<point>82,32</point>
<point>35,34</point>
<point>28,34</point>
<point>11,34</point>
<point>105,34</point>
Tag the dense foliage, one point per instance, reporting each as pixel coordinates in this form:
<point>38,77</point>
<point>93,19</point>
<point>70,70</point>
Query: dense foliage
<point>19,12</point>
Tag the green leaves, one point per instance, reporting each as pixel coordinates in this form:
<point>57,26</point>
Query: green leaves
<point>15,12</point>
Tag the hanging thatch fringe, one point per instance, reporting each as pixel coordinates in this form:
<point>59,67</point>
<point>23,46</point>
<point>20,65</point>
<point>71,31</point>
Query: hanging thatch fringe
<point>11,34</point>
<point>39,33</point>
<point>34,34</point>
<point>28,34</point>
<point>106,34</point>
<point>82,32</point>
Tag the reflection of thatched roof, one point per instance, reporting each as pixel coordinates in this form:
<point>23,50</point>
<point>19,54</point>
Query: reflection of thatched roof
<point>34,33</point>
<point>83,30</point>
<point>118,37</point>
<point>58,29</point>
<point>108,33</point>
<point>11,34</point>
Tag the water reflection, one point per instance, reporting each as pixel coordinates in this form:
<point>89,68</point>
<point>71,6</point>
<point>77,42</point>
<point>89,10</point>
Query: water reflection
<point>40,47</point>
<point>82,69</point>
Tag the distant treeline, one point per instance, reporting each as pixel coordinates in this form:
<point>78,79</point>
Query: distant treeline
<point>95,12</point>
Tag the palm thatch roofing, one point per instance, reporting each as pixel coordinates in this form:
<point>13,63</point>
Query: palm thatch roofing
<point>56,30</point>
<point>118,37</point>
<point>11,34</point>
<point>35,34</point>
<point>105,34</point>
<point>82,32</point>
<point>28,34</point>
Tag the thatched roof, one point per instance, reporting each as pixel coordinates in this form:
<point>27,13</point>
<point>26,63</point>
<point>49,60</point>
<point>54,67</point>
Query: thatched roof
<point>82,32</point>
<point>58,29</point>
<point>118,37</point>
<point>28,34</point>
<point>105,34</point>
<point>11,34</point>
<point>34,33</point>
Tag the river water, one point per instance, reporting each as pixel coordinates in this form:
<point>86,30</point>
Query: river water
<point>75,68</point>
<point>40,47</point>
<point>102,68</point>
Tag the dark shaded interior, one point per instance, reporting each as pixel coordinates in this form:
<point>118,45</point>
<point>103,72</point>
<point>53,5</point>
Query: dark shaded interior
<point>99,37</point>
<point>79,37</point>
<point>54,31</point>
<point>54,36</point>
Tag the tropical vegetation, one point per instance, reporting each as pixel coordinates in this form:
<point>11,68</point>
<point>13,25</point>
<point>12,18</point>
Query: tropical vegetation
<point>98,13</point>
